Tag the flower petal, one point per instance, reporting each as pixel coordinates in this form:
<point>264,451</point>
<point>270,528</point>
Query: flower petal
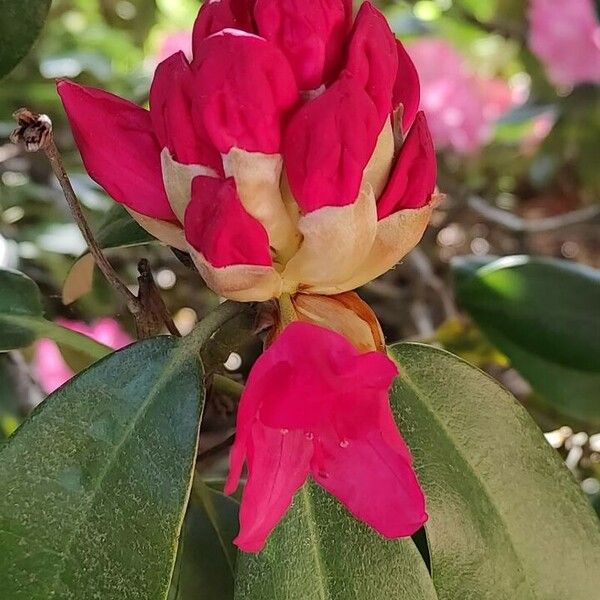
<point>373,58</point>
<point>278,464</point>
<point>218,226</point>
<point>327,145</point>
<point>243,283</point>
<point>216,15</point>
<point>311,34</point>
<point>343,234</point>
<point>257,179</point>
<point>374,481</point>
<point>171,97</point>
<point>178,178</point>
<point>413,179</point>
<point>346,314</point>
<point>407,89</point>
<point>118,148</point>
<point>396,236</point>
<point>311,376</point>
<point>245,87</point>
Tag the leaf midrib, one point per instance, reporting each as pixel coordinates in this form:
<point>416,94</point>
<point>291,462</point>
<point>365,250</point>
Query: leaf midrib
<point>315,545</point>
<point>91,497</point>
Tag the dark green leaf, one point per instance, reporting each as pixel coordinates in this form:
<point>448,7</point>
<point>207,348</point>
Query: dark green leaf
<point>507,519</point>
<point>543,314</point>
<point>22,321</point>
<point>93,486</point>
<point>206,558</point>
<point>320,552</point>
<point>20,300</point>
<point>120,230</point>
<point>20,25</point>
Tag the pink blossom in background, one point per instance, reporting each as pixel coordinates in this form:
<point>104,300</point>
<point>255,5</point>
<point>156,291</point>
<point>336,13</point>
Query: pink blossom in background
<point>49,366</point>
<point>565,36</point>
<point>173,43</point>
<point>461,107</point>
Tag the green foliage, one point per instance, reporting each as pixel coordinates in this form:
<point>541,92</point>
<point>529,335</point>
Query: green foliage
<point>20,25</point>
<point>22,321</point>
<point>507,520</point>
<point>319,551</point>
<point>205,566</point>
<point>93,486</point>
<point>543,314</point>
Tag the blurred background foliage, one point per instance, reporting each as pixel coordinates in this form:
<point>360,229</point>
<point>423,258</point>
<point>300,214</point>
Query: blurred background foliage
<point>529,185</point>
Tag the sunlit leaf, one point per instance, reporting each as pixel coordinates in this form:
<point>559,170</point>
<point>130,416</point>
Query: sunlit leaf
<point>543,314</point>
<point>507,519</point>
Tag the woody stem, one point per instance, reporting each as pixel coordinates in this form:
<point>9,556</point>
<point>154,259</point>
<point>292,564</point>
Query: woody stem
<point>107,269</point>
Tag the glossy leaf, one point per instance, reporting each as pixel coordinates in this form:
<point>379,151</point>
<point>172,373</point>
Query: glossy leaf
<point>320,552</point>
<point>20,25</point>
<point>543,314</point>
<point>22,321</point>
<point>93,486</point>
<point>507,519</point>
<point>206,557</point>
<point>118,230</point>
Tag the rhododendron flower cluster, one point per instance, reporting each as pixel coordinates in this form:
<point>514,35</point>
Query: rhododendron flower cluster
<point>565,36</point>
<point>288,157</point>
<point>50,368</point>
<point>462,107</point>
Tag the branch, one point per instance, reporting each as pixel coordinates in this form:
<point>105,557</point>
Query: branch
<point>519,225</point>
<point>148,308</point>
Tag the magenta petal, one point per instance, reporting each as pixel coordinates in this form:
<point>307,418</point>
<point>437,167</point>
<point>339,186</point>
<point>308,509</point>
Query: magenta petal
<point>413,179</point>
<point>244,88</point>
<point>328,144</point>
<point>374,481</point>
<point>217,225</point>
<point>216,15</point>
<point>311,33</point>
<point>118,147</point>
<point>278,463</point>
<point>373,58</point>
<point>407,88</point>
<point>171,97</point>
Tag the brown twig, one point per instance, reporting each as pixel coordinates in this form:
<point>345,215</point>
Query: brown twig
<point>517,224</point>
<point>148,308</point>
<point>155,312</point>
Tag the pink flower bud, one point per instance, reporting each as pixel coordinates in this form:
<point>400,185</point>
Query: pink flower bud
<point>118,146</point>
<point>278,144</point>
<point>216,15</point>
<point>218,226</point>
<point>244,88</point>
<point>311,33</point>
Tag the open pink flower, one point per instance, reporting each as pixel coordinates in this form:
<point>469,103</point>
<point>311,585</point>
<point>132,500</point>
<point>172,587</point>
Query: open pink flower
<point>278,143</point>
<point>50,368</point>
<point>461,106</point>
<point>315,406</point>
<point>565,36</point>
